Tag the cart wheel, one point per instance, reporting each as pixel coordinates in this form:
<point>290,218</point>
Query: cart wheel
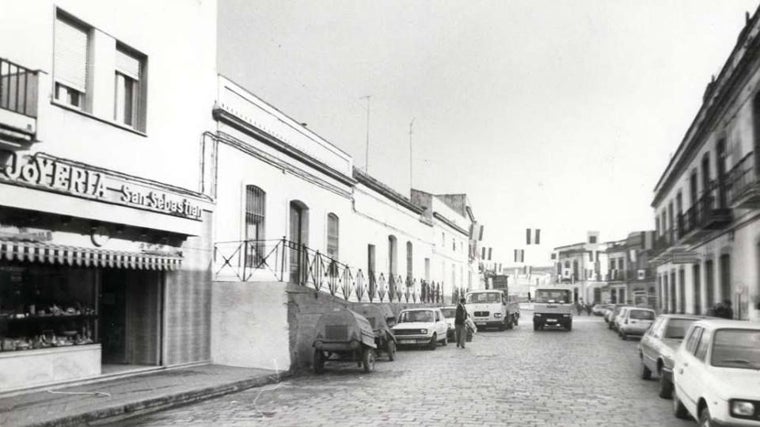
<point>391,349</point>
<point>368,360</point>
<point>319,361</point>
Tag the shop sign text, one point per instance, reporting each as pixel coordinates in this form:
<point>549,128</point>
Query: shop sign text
<point>56,175</point>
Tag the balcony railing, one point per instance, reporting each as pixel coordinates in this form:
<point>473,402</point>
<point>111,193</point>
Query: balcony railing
<point>703,216</point>
<point>744,188</point>
<point>18,101</point>
<point>285,261</point>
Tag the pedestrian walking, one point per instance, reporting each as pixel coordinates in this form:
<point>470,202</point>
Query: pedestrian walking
<point>588,309</point>
<point>460,317</point>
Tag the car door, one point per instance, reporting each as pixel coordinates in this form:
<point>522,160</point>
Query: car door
<point>649,349</point>
<point>685,370</point>
<point>440,324</point>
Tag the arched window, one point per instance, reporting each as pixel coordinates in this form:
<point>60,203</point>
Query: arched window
<point>255,214</point>
<point>333,233</point>
<point>409,261</point>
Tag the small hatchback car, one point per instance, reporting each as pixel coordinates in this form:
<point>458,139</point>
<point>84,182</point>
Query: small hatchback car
<point>421,327</point>
<point>635,322</point>
<point>716,374</point>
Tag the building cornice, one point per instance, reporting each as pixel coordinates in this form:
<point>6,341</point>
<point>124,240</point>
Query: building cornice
<point>448,222</point>
<point>389,193</point>
<point>235,122</point>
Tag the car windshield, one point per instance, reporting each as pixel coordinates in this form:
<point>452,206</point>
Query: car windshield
<point>736,348</point>
<point>416,316</point>
<point>677,328</point>
<point>449,313</point>
<point>553,296</point>
<point>484,297</point>
<point>641,315</point>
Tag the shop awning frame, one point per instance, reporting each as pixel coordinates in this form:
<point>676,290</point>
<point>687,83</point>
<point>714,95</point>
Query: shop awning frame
<point>85,257</point>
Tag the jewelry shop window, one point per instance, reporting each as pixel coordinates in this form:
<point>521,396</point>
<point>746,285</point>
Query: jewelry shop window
<point>43,306</point>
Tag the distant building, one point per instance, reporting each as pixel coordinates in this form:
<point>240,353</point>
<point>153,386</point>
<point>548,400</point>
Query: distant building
<point>583,267</point>
<point>630,278</point>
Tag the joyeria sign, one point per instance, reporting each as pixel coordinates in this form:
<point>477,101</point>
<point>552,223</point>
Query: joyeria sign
<point>63,176</point>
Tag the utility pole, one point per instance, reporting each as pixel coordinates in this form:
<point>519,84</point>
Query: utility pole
<point>366,149</point>
<point>410,154</point>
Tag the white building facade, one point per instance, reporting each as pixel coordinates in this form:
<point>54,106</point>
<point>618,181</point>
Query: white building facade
<point>706,201</point>
<point>104,227</point>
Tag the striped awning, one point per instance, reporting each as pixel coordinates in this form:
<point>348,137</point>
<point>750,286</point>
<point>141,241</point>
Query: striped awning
<point>85,257</point>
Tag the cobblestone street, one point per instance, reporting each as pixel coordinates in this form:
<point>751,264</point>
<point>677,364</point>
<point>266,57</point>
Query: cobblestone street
<point>588,377</point>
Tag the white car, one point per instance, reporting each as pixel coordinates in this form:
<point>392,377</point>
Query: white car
<point>716,373</point>
<point>421,326</point>
<point>635,321</point>
<point>617,319</point>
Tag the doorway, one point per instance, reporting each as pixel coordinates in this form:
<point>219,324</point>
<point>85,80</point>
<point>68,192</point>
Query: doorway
<point>299,238</point>
<point>130,319</point>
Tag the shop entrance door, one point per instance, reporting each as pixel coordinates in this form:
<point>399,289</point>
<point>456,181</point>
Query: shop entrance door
<point>113,317</point>
<point>130,318</point>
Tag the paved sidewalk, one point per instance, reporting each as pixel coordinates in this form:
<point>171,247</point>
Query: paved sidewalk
<point>84,404</point>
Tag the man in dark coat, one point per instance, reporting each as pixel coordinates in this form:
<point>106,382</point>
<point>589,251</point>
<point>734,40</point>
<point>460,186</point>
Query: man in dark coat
<point>460,329</point>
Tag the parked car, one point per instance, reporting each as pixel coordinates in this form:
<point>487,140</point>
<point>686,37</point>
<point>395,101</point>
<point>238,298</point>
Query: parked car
<point>716,374</point>
<point>450,314</point>
<point>635,322</point>
<point>344,335</point>
<point>421,327</point>
<point>610,312</point>
<point>618,317</point>
<point>599,309</point>
<point>658,346</point>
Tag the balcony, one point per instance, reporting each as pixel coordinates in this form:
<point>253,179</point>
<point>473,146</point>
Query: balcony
<point>744,188</point>
<point>18,104</point>
<point>669,249</point>
<point>703,217</point>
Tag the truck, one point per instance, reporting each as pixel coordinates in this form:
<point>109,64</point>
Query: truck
<point>553,306</point>
<point>492,308</point>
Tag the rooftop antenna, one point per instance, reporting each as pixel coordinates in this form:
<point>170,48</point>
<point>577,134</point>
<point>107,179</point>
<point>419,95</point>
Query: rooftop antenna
<point>366,149</point>
<point>411,124</point>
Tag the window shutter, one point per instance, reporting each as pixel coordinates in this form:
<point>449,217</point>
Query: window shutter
<point>127,64</point>
<point>71,55</point>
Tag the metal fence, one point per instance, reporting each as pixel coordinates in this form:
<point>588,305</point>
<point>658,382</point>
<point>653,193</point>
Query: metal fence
<point>287,261</point>
<point>18,88</point>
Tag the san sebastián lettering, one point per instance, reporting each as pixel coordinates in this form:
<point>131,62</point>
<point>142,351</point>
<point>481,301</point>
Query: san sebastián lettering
<point>52,174</point>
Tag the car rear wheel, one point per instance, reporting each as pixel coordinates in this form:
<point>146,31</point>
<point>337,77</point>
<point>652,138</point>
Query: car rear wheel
<point>666,388</point>
<point>391,349</point>
<point>433,342</point>
<point>569,326</point>
<point>679,411</point>
<point>645,372</point>
<point>368,360</point>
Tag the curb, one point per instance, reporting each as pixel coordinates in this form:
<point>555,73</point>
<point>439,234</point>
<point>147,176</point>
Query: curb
<point>128,410</point>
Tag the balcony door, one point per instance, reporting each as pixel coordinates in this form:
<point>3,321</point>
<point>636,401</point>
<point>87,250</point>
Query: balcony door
<point>721,170</point>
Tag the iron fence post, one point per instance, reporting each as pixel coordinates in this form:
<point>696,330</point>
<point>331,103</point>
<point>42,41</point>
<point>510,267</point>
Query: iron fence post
<point>282,264</point>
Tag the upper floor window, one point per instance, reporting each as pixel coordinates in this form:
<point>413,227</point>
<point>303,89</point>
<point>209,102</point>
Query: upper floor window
<point>128,92</point>
<point>80,71</point>
<point>71,62</point>
<point>333,232</point>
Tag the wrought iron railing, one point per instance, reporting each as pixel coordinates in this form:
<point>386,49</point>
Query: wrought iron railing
<point>286,261</point>
<point>18,88</point>
<point>742,177</point>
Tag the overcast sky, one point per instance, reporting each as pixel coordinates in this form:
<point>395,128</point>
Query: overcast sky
<point>559,115</point>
